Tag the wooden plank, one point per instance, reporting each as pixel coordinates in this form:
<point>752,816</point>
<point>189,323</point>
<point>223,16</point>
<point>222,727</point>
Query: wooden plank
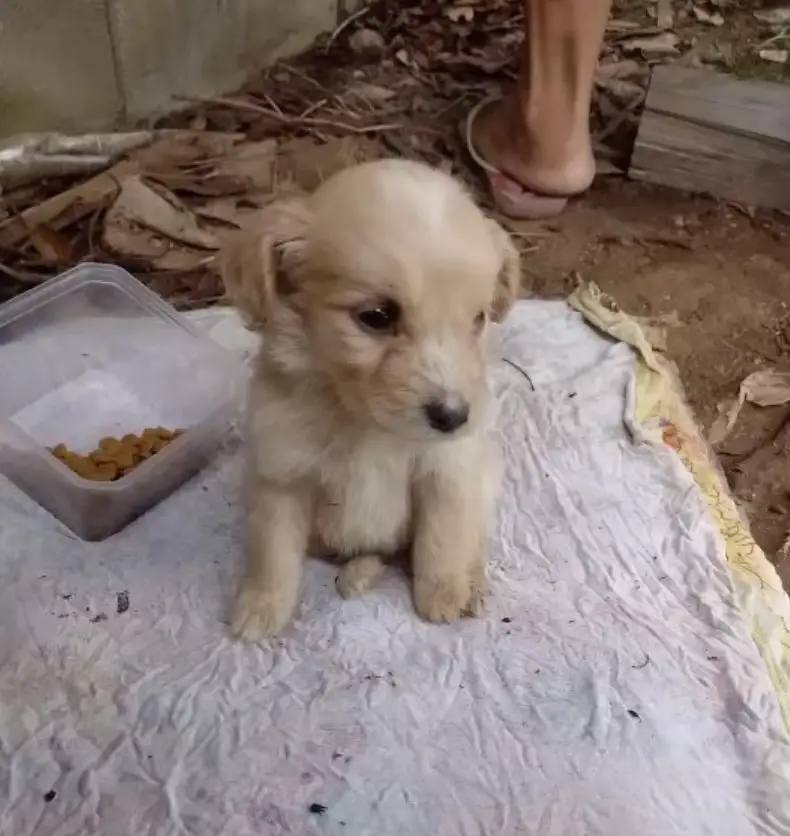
<point>705,132</point>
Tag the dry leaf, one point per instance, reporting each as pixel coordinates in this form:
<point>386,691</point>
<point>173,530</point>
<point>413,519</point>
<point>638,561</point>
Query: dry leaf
<point>773,16</point>
<point>763,388</point>
<point>664,44</point>
<point>181,148</point>
<point>776,56</point>
<point>198,122</point>
<point>247,167</point>
<point>460,14</point>
<point>665,17</point>
<point>616,70</point>
<point>125,238</point>
<point>308,163</point>
<point>624,91</point>
<point>616,25</point>
<point>141,245</point>
<point>66,207</point>
<point>232,211</point>
<point>607,109</point>
<point>193,184</point>
<point>721,52</point>
<point>767,388</point>
<point>711,18</point>
<point>53,246</point>
<point>161,213</point>
<point>373,93</point>
<point>124,235</point>
<point>485,63</point>
<point>367,40</point>
<point>252,163</point>
<point>402,57</point>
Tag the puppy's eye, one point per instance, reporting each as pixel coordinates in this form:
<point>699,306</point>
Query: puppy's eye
<point>480,320</point>
<point>381,317</point>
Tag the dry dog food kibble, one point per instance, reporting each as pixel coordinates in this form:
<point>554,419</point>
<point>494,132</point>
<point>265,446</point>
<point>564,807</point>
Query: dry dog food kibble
<point>115,457</point>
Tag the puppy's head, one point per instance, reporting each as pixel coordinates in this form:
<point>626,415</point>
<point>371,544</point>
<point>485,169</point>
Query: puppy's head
<point>381,283</point>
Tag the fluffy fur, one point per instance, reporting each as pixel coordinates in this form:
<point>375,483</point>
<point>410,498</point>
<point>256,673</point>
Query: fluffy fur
<point>343,455</point>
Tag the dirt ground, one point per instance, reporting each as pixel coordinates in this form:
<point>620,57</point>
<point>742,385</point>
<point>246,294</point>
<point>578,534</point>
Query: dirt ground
<point>727,277</point>
<point>399,77</point>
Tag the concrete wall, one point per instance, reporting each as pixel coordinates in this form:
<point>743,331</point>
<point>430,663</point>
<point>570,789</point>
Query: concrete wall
<point>56,66</point>
<point>86,65</point>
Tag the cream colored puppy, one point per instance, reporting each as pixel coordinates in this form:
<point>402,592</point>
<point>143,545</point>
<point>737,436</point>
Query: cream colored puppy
<point>367,418</point>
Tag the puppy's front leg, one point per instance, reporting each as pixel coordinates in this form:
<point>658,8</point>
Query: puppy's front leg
<point>449,552</point>
<point>278,528</point>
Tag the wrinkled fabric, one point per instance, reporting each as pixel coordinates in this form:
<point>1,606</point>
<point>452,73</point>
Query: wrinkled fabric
<point>612,688</point>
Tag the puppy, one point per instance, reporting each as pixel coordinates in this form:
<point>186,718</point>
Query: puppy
<point>367,424</point>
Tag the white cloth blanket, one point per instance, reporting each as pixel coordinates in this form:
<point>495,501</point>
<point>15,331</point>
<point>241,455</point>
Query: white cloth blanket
<point>612,689</point>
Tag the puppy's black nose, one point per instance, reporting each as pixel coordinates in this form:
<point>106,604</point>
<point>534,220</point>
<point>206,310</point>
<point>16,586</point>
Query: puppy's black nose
<point>447,416</point>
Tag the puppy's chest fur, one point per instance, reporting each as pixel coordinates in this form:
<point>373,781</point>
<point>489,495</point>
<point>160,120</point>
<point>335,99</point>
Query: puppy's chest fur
<point>363,500</point>
<point>360,485</point>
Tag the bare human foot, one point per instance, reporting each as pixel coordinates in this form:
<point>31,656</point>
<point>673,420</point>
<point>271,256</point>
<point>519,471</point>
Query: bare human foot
<point>534,146</point>
<point>528,176</point>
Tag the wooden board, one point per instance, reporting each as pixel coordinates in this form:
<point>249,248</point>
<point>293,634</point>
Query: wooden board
<point>706,132</point>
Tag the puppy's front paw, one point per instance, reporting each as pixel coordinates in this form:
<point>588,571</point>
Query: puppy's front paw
<point>447,597</point>
<point>477,592</point>
<point>260,614</point>
<point>474,604</point>
<point>359,574</point>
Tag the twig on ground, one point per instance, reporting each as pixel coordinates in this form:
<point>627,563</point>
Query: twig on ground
<point>29,279</point>
<point>520,371</point>
<point>297,72</point>
<point>454,103</point>
<point>273,104</point>
<point>780,36</point>
<point>285,119</point>
<point>621,117</point>
<point>93,225</point>
<point>205,301</point>
<point>312,108</point>
<point>344,24</point>
<point>664,241</point>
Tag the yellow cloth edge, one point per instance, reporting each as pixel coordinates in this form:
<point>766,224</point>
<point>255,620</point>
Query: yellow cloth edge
<point>660,414</point>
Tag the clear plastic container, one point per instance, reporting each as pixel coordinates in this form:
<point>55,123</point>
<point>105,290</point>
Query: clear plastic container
<point>94,353</point>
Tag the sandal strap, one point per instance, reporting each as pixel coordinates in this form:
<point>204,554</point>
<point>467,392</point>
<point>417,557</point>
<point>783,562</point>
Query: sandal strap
<point>470,147</point>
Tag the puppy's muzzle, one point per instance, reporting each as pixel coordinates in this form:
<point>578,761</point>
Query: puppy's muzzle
<point>447,415</point>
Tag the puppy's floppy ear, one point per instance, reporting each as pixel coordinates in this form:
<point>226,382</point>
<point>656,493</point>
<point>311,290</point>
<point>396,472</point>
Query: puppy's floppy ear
<point>257,265</point>
<point>509,278</point>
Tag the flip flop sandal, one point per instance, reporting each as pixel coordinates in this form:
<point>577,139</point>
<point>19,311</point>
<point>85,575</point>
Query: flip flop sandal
<point>511,197</point>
